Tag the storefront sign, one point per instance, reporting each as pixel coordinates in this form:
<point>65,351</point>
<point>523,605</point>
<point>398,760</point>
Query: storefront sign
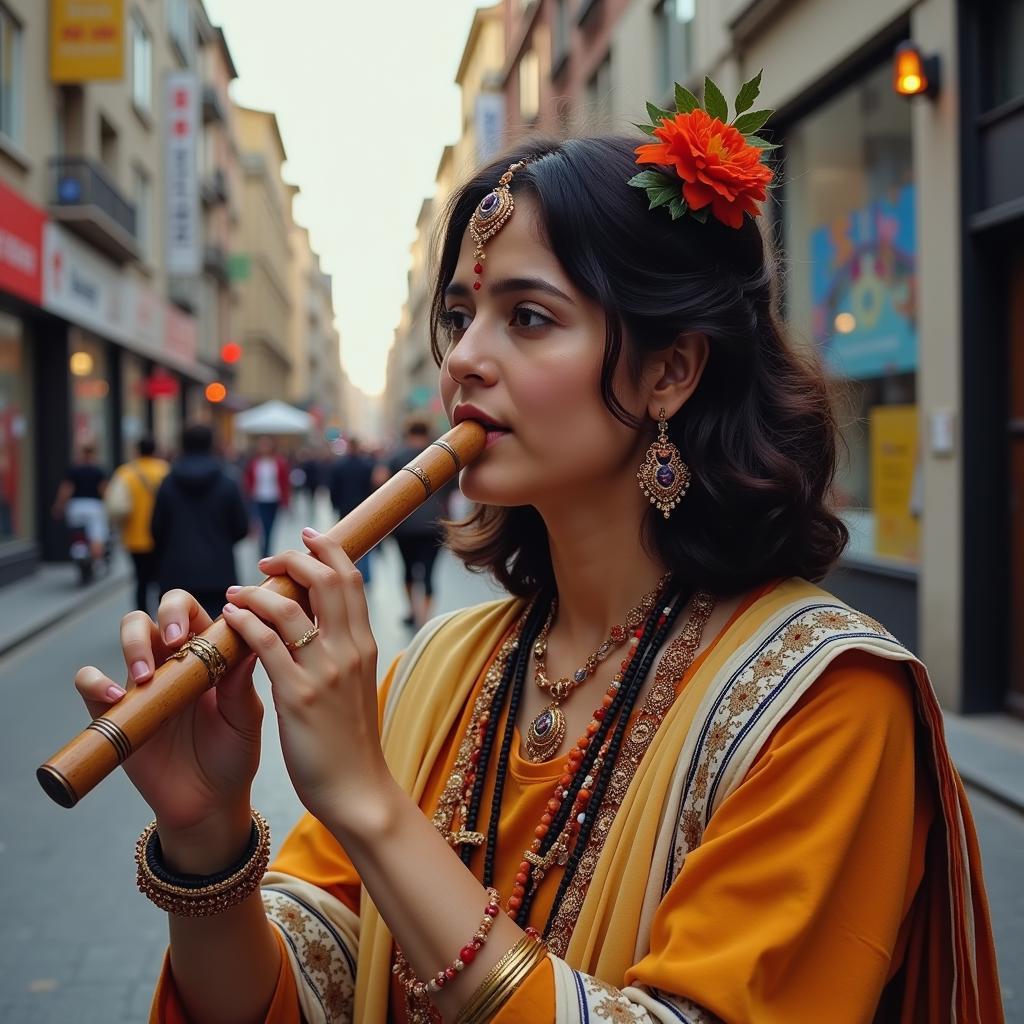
<point>81,286</point>
<point>863,289</point>
<point>895,481</point>
<point>86,40</point>
<point>21,246</point>
<point>181,180</point>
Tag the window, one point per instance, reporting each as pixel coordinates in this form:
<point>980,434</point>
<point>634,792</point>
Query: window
<point>10,76</point>
<point>143,195</point>
<point>529,87</point>
<point>561,33</point>
<point>674,30</point>
<point>599,90</point>
<point>850,244</point>
<point>1004,38</point>
<point>180,28</point>
<point>142,65</point>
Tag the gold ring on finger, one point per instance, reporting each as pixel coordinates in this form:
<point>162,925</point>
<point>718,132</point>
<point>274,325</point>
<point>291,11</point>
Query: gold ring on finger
<point>307,637</point>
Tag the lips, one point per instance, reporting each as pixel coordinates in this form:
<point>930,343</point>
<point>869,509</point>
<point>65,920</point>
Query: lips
<point>471,412</point>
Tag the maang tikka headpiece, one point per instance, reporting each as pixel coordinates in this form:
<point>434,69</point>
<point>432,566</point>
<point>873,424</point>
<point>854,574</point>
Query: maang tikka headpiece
<point>491,215</point>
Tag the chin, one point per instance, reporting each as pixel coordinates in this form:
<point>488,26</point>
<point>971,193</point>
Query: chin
<point>489,485</point>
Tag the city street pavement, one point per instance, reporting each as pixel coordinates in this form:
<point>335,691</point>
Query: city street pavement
<point>79,945</point>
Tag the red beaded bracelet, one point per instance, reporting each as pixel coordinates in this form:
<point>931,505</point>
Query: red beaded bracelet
<point>416,990</point>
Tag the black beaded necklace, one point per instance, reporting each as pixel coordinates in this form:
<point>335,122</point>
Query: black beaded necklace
<point>656,628</point>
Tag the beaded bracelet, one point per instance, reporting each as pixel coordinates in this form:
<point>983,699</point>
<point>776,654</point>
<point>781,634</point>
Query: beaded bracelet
<point>416,990</point>
<point>201,895</point>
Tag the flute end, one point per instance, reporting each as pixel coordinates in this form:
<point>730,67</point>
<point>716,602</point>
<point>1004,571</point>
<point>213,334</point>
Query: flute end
<point>55,786</point>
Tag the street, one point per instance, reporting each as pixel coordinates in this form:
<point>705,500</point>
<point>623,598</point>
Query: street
<point>80,946</point>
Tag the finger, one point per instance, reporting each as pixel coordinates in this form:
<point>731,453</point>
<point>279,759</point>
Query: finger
<point>138,637</point>
<point>353,592</point>
<point>263,641</point>
<point>237,699</point>
<point>282,613</point>
<point>320,580</point>
<point>98,691</point>
<point>178,615</point>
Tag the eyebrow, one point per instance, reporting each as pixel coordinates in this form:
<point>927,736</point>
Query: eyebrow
<point>511,284</point>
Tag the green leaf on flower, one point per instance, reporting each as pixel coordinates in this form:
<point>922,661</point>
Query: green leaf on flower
<point>748,93</point>
<point>647,129</point>
<point>701,214</point>
<point>714,102</point>
<point>756,140</point>
<point>657,114</point>
<point>677,207</point>
<point>653,179</point>
<point>745,124</point>
<point>662,196</point>
<point>685,100</point>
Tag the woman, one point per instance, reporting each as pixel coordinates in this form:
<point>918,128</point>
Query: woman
<point>746,813</point>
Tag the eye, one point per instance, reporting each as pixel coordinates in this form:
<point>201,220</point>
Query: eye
<point>454,321</point>
<point>526,317</point>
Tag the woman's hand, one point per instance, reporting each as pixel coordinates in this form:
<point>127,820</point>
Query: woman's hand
<point>325,691</point>
<point>196,772</point>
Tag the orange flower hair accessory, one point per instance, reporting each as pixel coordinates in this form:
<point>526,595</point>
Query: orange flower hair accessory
<point>717,164</point>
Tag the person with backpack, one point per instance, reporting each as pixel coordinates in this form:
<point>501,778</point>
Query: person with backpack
<point>130,499</point>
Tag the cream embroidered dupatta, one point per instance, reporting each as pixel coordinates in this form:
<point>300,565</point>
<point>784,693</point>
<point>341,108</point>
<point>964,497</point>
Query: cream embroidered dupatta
<point>707,742</point>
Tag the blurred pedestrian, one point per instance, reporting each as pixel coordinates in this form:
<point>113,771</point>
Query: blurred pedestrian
<point>350,483</point>
<point>129,500</point>
<point>79,500</point>
<point>420,536</point>
<point>268,487</point>
<point>198,518</point>
<point>312,475</point>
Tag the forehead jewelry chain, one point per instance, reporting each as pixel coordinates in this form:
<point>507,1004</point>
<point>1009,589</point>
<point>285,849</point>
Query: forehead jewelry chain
<point>491,215</point>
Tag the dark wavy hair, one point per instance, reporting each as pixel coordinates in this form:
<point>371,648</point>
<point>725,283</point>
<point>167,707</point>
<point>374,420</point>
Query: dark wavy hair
<point>758,433</point>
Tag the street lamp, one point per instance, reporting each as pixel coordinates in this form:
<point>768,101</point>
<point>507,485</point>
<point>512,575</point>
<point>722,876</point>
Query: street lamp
<point>913,73</point>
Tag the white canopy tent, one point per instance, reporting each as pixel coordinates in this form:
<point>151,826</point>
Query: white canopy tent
<point>274,417</point>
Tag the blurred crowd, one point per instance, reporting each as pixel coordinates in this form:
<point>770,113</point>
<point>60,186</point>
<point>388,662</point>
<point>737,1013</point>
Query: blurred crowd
<point>179,516</point>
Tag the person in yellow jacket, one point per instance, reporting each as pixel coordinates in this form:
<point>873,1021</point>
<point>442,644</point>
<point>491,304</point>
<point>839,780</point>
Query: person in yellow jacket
<point>131,496</point>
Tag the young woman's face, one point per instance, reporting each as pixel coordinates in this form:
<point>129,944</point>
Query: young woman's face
<point>526,352</point>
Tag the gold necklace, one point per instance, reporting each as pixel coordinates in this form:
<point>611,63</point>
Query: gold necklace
<point>547,730</point>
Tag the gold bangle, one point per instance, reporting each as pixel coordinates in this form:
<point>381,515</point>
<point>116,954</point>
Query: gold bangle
<point>500,982</point>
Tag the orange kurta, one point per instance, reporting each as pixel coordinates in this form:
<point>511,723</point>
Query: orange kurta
<point>796,906</point>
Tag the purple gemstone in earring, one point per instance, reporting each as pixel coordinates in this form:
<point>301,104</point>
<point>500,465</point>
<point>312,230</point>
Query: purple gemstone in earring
<point>488,204</point>
<point>665,477</point>
<point>663,457</point>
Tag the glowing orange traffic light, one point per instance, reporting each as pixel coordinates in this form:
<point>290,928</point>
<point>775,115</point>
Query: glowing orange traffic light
<point>231,352</point>
<point>216,392</point>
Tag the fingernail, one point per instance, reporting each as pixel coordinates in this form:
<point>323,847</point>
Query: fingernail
<point>308,531</point>
<point>139,670</point>
<point>114,692</point>
<point>173,632</point>
<point>233,590</point>
<point>229,608</point>
<point>263,561</point>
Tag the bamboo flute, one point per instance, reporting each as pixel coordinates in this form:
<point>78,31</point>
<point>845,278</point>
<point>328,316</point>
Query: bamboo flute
<point>112,737</point>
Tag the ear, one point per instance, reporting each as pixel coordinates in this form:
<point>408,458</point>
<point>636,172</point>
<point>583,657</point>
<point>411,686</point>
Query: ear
<point>676,373</point>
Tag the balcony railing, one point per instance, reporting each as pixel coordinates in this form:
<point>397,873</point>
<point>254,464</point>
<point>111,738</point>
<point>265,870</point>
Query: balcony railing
<point>88,202</point>
<point>215,263</point>
<point>214,187</point>
<point>213,108</point>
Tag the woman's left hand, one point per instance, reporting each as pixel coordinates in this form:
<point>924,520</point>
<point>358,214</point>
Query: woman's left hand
<point>325,692</point>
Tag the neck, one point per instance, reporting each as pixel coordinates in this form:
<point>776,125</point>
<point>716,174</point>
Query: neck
<point>601,568</point>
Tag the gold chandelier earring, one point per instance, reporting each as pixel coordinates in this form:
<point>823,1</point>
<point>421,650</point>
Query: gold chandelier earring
<point>664,477</point>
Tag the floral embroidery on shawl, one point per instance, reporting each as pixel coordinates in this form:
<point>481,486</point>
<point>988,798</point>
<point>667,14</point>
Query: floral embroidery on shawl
<point>327,965</point>
<point>755,685</point>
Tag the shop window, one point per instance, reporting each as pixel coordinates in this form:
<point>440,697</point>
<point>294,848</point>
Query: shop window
<point>90,396</point>
<point>1003,63</point>
<point>850,243</point>
<point>11,86</point>
<point>15,489</point>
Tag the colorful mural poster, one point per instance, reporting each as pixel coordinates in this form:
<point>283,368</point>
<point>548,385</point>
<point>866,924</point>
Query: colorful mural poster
<point>863,289</point>
<point>895,490</point>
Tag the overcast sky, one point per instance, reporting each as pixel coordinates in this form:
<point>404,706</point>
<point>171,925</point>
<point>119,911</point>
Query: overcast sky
<point>365,98</point>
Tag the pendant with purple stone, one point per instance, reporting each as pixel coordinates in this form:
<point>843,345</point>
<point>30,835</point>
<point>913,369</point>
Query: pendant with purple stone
<point>664,477</point>
<point>545,734</point>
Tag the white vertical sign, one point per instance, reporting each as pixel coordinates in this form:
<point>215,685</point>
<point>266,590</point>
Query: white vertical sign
<point>181,179</point>
<point>490,125</point>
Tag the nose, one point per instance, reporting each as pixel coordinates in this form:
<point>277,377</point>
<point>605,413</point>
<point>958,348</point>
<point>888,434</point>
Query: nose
<point>471,359</point>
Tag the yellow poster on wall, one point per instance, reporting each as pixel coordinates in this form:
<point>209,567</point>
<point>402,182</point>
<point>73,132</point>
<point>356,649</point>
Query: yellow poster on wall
<point>86,40</point>
<point>895,481</point>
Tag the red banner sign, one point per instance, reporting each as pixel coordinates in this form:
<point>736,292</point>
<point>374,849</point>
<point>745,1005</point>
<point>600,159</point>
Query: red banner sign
<point>21,246</point>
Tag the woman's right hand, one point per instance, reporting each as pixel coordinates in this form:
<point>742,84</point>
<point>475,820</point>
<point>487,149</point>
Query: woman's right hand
<point>197,770</point>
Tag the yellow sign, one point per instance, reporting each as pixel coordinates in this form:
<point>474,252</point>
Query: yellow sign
<point>86,40</point>
<point>895,481</point>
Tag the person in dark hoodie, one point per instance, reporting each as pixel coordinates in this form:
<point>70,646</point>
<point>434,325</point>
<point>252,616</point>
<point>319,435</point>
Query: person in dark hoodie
<point>198,518</point>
